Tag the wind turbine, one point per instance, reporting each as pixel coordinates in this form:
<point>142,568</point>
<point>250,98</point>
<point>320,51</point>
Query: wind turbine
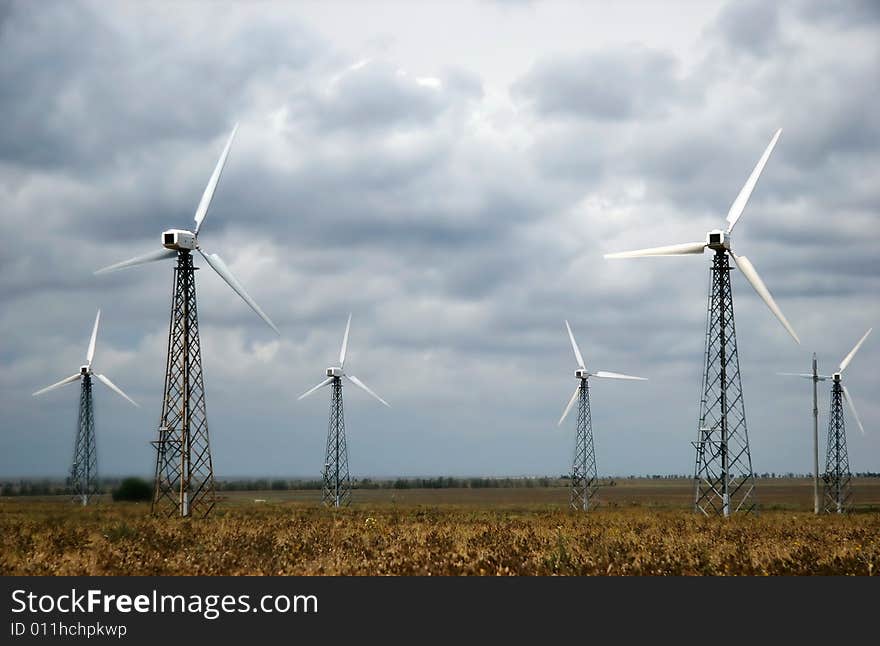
<point>837,474</point>
<point>184,482</point>
<point>584,479</point>
<point>336,490</point>
<point>723,475</point>
<point>84,470</point>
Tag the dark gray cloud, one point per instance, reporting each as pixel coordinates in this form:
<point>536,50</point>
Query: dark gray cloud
<point>751,27</point>
<point>82,90</point>
<point>849,14</point>
<point>608,85</point>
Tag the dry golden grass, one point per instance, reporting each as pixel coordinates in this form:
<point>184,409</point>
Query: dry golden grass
<point>281,538</point>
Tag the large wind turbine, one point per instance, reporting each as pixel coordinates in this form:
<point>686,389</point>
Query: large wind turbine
<point>584,478</point>
<point>184,471</point>
<point>84,470</point>
<point>336,491</point>
<point>837,475</point>
<point>723,475</point>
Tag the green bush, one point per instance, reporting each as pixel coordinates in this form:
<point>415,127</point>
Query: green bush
<point>133,489</point>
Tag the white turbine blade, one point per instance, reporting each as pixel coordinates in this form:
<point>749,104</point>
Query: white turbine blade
<point>616,375</point>
<point>360,384</point>
<point>748,270</point>
<point>574,346</point>
<point>849,357</point>
<point>223,271</point>
<point>568,407</point>
<point>208,195</point>
<point>670,250</point>
<point>90,354</point>
<point>344,343</point>
<point>739,204</point>
<point>153,256</point>
<point>805,375</point>
<point>852,407</point>
<point>63,382</point>
<point>311,390</point>
<point>116,389</point>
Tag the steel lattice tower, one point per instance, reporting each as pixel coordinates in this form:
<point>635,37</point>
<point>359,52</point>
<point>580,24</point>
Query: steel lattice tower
<point>84,471</point>
<point>723,476</point>
<point>336,491</point>
<point>584,481</point>
<point>837,475</point>
<point>184,484</point>
<point>83,479</point>
<point>336,483</point>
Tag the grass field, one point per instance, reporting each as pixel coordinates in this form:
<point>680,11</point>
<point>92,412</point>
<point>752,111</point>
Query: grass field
<point>643,527</point>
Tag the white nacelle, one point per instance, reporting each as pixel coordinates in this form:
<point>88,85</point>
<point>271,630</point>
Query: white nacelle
<point>836,376</point>
<point>83,370</point>
<point>178,239</point>
<point>581,374</point>
<point>717,240</point>
<point>334,372</point>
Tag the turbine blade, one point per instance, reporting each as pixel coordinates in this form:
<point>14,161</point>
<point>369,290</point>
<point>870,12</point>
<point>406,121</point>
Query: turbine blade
<point>153,256</point>
<point>568,407</point>
<point>670,250</point>
<point>311,390</point>
<point>852,407</point>
<point>90,353</point>
<point>208,195</point>
<point>360,384</point>
<point>223,271</point>
<point>805,375</point>
<point>63,382</point>
<point>574,346</point>
<point>748,270</point>
<point>344,343</point>
<point>739,204</point>
<point>852,353</point>
<point>116,389</point>
<point>616,375</point>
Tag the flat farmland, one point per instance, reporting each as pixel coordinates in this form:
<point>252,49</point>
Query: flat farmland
<point>643,527</point>
<point>776,493</point>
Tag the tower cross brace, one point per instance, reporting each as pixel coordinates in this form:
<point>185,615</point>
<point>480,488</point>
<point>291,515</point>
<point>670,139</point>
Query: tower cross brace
<point>336,488</point>
<point>84,469</point>
<point>584,481</point>
<point>836,479</point>
<point>184,480</point>
<point>723,478</point>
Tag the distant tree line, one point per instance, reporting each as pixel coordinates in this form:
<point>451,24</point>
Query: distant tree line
<point>50,487</point>
<point>437,482</point>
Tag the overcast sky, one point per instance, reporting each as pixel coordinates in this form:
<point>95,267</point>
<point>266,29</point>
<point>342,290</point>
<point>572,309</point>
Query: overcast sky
<point>450,173</point>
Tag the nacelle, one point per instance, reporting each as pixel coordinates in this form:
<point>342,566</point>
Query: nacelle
<point>83,370</point>
<point>716,239</point>
<point>836,376</point>
<point>581,373</point>
<point>334,372</point>
<point>178,239</point>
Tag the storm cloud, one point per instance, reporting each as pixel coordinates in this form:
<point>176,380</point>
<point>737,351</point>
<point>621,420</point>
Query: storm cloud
<point>456,195</point>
